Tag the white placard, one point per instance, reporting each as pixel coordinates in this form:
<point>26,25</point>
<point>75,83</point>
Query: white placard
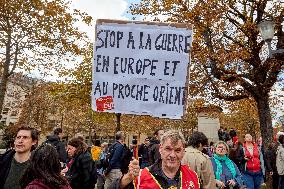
<point>141,69</point>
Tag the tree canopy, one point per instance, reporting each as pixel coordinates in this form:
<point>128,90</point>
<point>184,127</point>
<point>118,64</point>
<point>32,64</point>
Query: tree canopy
<point>37,34</point>
<point>228,59</point>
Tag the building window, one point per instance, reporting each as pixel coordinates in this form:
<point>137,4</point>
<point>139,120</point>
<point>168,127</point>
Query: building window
<point>14,113</point>
<point>52,124</point>
<point>53,109</point>
<point>5,111</point>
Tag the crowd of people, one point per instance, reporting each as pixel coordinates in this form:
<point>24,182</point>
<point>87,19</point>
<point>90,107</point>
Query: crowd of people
<point>164,160</point>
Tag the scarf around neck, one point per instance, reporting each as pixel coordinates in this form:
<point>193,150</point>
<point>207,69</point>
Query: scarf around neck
<point>228,163</point>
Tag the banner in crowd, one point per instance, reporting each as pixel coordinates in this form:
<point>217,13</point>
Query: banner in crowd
<point>141,68</point>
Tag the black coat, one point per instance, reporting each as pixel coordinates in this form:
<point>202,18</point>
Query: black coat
<point>153,151</point>
<point>270,157</point>
<point>143,153</point>
<point>54,140</point>
<point>79,174</point>
<point>5,165</point>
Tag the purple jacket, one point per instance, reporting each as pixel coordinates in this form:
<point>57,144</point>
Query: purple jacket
<point>36,184</point>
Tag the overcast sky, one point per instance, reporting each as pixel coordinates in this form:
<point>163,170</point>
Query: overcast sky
<point>107,9</point>
<point>102,8</point>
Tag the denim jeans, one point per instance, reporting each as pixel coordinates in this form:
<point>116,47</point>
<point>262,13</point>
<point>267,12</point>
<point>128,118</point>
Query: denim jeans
<point>253,180</point>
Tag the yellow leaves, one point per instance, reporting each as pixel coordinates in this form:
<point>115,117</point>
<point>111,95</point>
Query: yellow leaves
<point>243,116</point>
<point>87,19</point>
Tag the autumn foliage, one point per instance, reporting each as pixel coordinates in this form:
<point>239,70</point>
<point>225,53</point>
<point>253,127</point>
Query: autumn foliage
<point>228,54</point>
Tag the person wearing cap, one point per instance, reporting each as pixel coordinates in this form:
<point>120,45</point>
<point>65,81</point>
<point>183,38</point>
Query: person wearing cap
<point>226,172</point>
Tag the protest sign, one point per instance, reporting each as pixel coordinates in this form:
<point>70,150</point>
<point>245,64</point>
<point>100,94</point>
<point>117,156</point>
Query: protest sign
<point>141,68</point>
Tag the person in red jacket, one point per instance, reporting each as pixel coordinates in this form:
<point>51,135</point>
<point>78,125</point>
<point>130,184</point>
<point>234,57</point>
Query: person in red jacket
<point>252,164</point>
<point>167,172</point>
<point>44,170</point>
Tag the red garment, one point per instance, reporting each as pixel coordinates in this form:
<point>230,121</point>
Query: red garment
<point>253,164</point>
<point>68,165</point>
<point>36,184</point>
<point>147,180</point>
<point>135,152</point>
<point>235,139</point>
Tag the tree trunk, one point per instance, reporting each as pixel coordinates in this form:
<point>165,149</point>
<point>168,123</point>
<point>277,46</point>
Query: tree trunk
<point>265,120</point>
<point>5,74</point>
<point>117,122</point>
<point>3,88</point>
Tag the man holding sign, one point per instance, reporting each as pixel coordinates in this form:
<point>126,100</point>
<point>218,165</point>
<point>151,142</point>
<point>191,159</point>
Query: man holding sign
<point>166,173</point>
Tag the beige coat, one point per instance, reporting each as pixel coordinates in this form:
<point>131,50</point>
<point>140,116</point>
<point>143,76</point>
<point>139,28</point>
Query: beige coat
<point>201,164</point>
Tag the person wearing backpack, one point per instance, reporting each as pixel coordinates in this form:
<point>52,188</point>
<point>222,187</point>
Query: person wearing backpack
<point>116,152</point>
<point>280,161</point>
<point>55,140</point>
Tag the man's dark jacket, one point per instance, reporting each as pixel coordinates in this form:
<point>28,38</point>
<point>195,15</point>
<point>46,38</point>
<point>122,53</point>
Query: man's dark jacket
<point>143,153</point>
<point>5,165</point>
<point>154,153</point>
<point>59,145</point>
<point>115,161</point>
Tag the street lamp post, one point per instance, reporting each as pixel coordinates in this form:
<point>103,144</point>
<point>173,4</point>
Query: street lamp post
<point>266,28</point>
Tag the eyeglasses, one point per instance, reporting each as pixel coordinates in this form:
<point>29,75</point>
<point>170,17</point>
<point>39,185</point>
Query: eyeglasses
<point>221,148</point>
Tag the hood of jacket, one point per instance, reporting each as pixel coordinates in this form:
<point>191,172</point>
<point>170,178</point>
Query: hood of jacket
<point>154,141</point>
<point>53,138</point>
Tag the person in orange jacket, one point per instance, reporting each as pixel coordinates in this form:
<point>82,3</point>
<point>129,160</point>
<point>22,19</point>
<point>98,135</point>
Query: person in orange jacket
<point>96,150</point>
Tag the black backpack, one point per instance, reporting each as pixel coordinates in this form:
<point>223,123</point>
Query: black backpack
<point>109,154</point>
<point>125,159</point>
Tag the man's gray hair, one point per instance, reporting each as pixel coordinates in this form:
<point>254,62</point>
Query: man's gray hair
<point>119,135</point>
<point>174,135</point>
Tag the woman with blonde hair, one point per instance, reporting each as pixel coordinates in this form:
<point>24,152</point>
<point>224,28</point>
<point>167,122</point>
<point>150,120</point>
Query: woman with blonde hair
<point>226,172</point>
<point>252,163</point>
